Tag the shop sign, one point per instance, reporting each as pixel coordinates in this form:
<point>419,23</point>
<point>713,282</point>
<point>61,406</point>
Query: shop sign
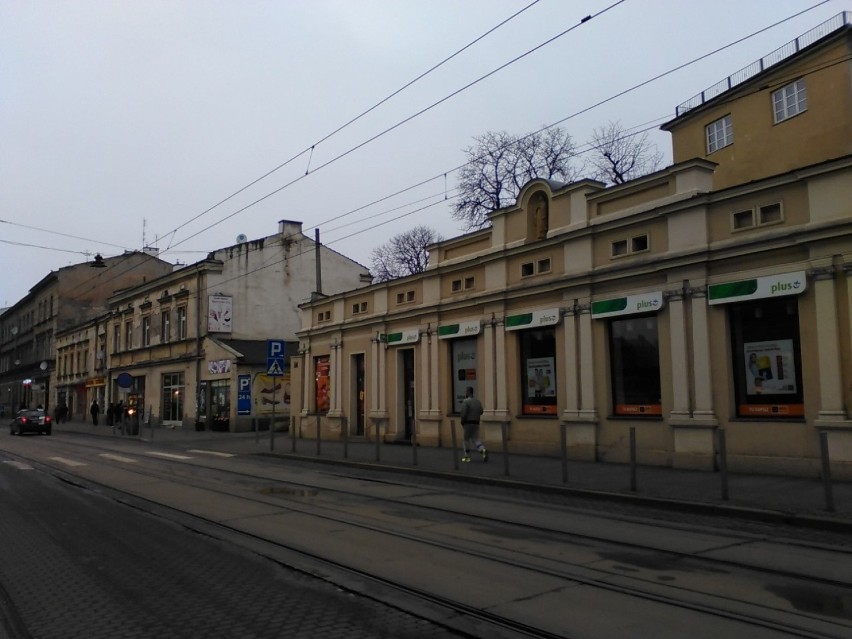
<point>243,394</point>
<point>411,336</point>
<point>462,329</point>
<point>93,382</point>
<point>758,288</point>
<point>532,319</point>
<point>219,366</point>
<point>628,305</point>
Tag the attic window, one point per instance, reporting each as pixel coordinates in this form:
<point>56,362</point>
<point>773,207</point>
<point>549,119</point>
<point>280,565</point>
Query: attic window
<point>405,298</point>
<point>359,308</point>
<point>324,316</point>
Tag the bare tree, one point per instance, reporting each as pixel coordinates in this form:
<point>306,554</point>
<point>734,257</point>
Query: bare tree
<point>500,163</point>
<point>619,156</point>
<point>404,254</point>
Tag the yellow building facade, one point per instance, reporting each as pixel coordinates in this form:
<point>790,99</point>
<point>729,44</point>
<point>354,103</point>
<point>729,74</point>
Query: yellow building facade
<point>677,304</point>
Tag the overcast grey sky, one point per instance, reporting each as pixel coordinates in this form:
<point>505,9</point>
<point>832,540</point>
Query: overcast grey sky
<point>124,120</point>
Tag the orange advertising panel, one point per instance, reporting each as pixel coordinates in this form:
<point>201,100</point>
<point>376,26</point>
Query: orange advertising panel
<point>655,410</point>
<point>772,410</point>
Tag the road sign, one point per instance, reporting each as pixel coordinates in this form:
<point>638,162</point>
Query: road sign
<point>243,394</point>
<point>275,357</point>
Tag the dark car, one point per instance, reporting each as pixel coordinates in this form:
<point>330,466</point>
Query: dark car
<point>31,421</point>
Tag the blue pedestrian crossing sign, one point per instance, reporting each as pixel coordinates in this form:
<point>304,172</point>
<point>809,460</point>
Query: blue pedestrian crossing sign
<point>275,354</point>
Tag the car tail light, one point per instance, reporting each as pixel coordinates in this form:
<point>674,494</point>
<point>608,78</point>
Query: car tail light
<point>24,420</point>
<point>47,419</point>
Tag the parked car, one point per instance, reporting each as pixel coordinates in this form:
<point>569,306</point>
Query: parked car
<point>31,421</point>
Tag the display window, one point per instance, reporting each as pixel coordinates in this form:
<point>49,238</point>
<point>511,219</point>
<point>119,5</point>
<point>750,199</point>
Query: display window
<point>463,352</point>
<point>322,370</point>
<point>766,356</point>
<point>538,371</point>
<point>635,366</point>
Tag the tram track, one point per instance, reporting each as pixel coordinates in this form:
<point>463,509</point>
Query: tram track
<point>250,486</point>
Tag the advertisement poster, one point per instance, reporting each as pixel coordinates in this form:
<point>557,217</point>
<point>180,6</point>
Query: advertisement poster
<point>323,381</point>
<point>540,377</point>
<point>271,391</point>
<point>770,368</point>
<point>464,371</point>
<point>219,313</point>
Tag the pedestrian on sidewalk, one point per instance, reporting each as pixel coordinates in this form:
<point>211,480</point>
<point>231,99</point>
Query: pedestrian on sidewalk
<point>94,410</point>
<point>470,413</point>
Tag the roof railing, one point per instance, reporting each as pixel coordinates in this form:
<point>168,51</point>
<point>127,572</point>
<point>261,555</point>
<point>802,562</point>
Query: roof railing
<point>782,53</point>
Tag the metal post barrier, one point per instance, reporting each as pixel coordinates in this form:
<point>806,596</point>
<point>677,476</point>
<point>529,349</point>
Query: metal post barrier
<point>633,459</point>
<point>455,444</point>
<point>319,435</point>
<point>344,428</point>
<point>504,433</point>
<point>723,462</point>
<point>826,471</point>
<point>414,443</point>
<point>563,438</point>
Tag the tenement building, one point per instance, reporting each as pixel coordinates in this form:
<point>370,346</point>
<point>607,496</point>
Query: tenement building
<point>713,294</point>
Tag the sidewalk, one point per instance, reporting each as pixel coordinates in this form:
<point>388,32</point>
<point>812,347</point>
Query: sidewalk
<point>764,497</point>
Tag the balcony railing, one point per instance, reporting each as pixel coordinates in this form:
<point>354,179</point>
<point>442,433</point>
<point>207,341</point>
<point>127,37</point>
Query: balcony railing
<point>782,53</point>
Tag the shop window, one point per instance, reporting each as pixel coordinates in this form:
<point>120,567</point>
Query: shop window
<point>220,404</point>
<point>463,352</point>
<point>322,371</point>
<point>172,403</point>
<point>635,366</point>
<point>767,358</point>
<point>538,371</point>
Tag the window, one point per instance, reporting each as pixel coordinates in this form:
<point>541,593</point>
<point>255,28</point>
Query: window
<point>538,371</point>
<point>742,220</point>
<point>128,335</point>
<point>543,266</point>
<point>466,284</point>
<point>405,298</point>
<point>359,307</point>
<point>463,352</point>
<point>173,392</point>
<point>322,370</point>
<point>720,134</point>
<point>635,366</point>
<point>469,283</point>
<point>181,322</point>
<point>324,316</point>
<point>166,326</point>
<point>637,244</point>
<point>146,330</point>
<point>789,101</point>
<point>457,286</point>
<point>767,358</point>
<point>766,215</point>
<point>527,269</point>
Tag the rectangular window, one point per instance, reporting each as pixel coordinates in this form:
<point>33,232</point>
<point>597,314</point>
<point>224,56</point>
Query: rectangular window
<point>146,331</point>
<point>322,371</point>
<point>173,392</point>
<point>619,248</point>
<point>635,365</point>
<point>789,101</point>
<point>538,371</point>
<point>742,220</point>
<point>181,322</point>
<point>116,338</point>
<point>767,358</point>
<point>639,244</point>
<point>359,308</point>
<point>527,269</point>
<point>456,286</point>
<point>543,266</point>
<point>128,335</point>
<point>463,352</point>
<point>771,214</point>
<point>720,134</point>
<point>469,283</point>
<point>409,296</point>
<point>166,326</point>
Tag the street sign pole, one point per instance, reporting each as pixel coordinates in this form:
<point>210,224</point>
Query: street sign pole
<point>275,355</point>
<point>272,425</point>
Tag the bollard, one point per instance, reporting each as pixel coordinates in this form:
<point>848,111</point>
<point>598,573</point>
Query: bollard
<point>826,471</point>
<point>633,459</point>
<point>504,433</point>
<point>455,444</point>
<point>723,462</point>
<point>563,438</point>
<point>414,443</point>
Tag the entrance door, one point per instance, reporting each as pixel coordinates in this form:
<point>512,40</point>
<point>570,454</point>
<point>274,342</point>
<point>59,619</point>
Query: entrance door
<point>360,392</point>
<point>407,365</point>
<point>172,406</point>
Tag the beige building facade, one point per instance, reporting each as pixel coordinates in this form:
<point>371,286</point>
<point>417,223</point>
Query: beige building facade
<point>675,305</point>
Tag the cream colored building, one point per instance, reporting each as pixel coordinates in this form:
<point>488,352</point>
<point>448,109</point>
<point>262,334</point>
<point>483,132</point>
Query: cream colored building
<point>713,294</point>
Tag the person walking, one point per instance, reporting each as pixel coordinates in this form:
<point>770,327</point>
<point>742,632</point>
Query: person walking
<point>470,413</point>
<point>94,410</point>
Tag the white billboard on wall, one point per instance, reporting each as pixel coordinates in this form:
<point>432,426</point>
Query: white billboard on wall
<point>219,313</point>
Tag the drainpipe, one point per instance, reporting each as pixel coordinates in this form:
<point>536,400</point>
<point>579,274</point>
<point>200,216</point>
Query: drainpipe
<point>318,260</point>
<point>197,345</point>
